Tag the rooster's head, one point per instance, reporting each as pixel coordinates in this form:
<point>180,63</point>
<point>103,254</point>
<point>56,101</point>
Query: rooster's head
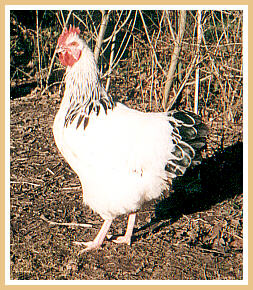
<point>70,46</point>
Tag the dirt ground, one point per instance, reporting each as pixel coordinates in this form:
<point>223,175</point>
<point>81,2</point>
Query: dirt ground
<point>195,232</point>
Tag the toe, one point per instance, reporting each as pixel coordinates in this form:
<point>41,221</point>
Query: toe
<point>122,240</point>
<point>88,246</point>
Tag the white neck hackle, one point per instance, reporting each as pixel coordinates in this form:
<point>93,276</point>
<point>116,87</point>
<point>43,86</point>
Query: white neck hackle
<point>84,93</point>
<point>82,81</point>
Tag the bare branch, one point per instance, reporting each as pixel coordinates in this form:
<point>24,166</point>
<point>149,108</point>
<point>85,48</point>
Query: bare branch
<point>110,63</point>
<point>116,29</point>
<point>189,70</point>
<point>104,22</point>
<point>38,47</point>
<point>53,57</point>
<point>170,26</point>
<point>117,58</point>
<point>174,57</point>
<point>130,35</point>
<point>149,41</point>
<point>199,37</point>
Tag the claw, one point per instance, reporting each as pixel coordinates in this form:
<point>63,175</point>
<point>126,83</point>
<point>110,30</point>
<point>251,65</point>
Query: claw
<point>92,245</point>
<point>123,240</point>
<point>97,242</point>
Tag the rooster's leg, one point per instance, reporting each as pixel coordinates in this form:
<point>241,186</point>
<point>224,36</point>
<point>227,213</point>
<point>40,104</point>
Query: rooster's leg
<point>126,239</point>
<point>97,242</point>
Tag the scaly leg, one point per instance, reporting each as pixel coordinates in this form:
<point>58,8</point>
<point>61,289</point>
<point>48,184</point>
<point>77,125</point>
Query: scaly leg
<point>126,239</point>
<point>97,242</point>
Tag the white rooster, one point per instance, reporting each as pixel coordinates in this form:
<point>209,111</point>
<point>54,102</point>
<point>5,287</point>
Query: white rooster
<point>123,157</point>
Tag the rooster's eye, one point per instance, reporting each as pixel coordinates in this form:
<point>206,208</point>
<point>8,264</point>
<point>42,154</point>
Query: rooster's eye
<point>74,43</point>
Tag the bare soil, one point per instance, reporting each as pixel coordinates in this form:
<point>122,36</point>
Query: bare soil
<point>193,232</point>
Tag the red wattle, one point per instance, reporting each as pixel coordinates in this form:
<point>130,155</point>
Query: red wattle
<point>68,59</point>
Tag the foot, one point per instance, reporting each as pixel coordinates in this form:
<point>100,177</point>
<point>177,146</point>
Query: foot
<point>97,242</point>
<point>126,239</point>
<point>123,240</point>
<point>92,245</point>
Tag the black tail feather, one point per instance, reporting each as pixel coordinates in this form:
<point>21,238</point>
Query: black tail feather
<point>189,136</point>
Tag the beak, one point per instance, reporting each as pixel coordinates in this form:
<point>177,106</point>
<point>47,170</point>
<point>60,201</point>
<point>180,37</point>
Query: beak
<point>59,50</point>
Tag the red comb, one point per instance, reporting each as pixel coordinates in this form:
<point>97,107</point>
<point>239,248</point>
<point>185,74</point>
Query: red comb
<point>65,33</point>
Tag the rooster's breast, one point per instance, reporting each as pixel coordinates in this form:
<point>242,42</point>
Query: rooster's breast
<point>120,158</point>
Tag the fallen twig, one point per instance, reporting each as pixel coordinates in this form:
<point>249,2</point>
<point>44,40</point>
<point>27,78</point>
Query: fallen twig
<point>65,224</point>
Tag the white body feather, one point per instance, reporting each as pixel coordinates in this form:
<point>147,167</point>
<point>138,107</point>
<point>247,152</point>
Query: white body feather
<point>120,157</point>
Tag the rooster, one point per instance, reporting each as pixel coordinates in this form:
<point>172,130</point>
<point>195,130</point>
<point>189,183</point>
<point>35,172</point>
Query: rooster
<point>123,157</point>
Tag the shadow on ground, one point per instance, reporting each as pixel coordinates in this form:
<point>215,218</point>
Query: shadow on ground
<point>216,179</point>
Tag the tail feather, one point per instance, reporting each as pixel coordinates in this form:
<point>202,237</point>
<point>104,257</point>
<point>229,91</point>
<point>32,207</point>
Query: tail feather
<point>189,137</point>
